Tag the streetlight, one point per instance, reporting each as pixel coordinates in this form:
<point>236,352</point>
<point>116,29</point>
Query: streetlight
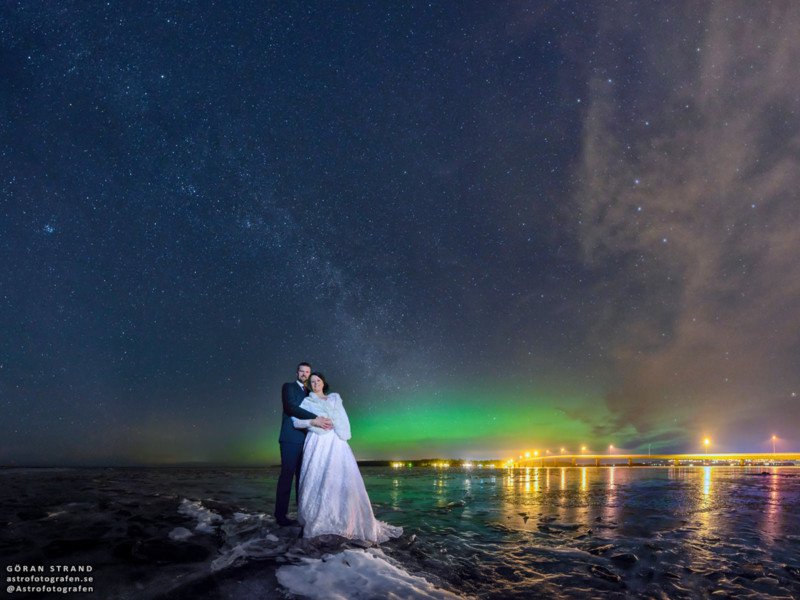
<point>563,450</point>
<point>583,449</point>
<point>706,443</point>
<point>611,447</point>
<point>527,455</point>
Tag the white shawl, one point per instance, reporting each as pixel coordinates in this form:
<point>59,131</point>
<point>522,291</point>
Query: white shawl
<point>331,408</point>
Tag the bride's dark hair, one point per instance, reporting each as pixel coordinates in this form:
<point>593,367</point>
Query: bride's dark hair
<point>325,386</point>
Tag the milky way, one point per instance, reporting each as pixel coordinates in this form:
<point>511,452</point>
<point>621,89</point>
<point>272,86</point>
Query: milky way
<point>494,227</point>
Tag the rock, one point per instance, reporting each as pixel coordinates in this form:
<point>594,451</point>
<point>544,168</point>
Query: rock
<point>793,571</point>
<point>751,570</point>
<point>647,573</point>
<point>624,559</point>
<point>652,546</point>
<point>766,582</point>
<point>547,519</point>
<point>598,550</point>
<point>604,574</point>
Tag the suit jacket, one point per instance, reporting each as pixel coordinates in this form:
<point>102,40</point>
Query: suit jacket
<point>291,396</point>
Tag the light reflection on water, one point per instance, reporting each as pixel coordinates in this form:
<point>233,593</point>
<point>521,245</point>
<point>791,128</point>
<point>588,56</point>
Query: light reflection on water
<point>688,527</point>
<point>773,513</point>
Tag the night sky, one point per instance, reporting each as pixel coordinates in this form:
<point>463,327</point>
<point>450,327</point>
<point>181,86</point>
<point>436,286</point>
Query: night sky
<point>493,226</point>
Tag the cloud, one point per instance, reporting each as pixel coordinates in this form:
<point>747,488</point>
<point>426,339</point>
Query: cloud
<point>688,200</point>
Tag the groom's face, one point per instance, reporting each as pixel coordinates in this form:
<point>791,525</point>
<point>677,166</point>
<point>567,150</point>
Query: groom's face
<point>303,373</point>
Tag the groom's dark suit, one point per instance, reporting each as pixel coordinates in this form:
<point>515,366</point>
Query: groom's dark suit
<point>291,441</point>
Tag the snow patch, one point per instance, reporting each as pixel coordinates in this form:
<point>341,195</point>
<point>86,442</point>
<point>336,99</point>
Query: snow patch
<point>356,575</point>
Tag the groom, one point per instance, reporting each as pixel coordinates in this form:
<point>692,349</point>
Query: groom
<point>292,441</point>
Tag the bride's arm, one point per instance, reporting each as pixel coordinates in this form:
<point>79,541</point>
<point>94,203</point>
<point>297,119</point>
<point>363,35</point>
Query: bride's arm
<point>341,424</point>
<point>316,425</point>
<point>307,423</point>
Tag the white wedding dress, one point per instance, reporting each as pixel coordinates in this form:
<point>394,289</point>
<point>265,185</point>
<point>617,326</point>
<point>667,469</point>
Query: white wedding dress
<point>333,499</point>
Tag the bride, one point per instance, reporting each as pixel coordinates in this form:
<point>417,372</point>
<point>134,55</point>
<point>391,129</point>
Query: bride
<point>332,498</point>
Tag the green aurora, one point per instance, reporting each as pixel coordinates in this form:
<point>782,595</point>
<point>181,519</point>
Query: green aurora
<point>474,423</point>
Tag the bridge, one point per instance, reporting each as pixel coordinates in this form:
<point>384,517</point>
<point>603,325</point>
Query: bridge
<point>740,458</point>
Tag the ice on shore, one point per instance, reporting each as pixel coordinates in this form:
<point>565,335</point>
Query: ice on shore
<point>180,533</point>
<point>206,518</point>
<point>355,574</point>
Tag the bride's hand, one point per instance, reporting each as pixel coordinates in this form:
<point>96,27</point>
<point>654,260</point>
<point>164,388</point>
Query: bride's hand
<point>322,422</point>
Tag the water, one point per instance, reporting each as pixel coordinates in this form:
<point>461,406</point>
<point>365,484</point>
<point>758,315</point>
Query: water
<point>582,532</point>
<point>694,532</point>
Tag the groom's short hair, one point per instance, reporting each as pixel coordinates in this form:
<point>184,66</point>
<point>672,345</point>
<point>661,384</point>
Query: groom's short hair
<point>303,364</point>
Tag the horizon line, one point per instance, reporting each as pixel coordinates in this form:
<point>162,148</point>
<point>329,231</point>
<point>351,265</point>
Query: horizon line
<point>548,457</point>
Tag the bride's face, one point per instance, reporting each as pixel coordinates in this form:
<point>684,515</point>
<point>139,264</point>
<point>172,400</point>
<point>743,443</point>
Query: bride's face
<point>316,384</point>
